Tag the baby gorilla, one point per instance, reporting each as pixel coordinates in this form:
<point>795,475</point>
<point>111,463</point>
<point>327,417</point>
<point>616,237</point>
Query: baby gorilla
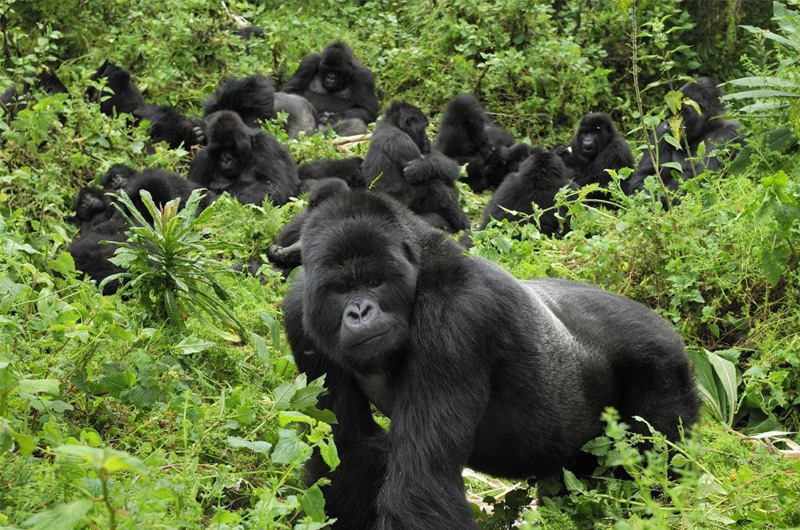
<point>247,163</point>
<point>286,252</point>
<point>474,367</point>
<point>401,159</point>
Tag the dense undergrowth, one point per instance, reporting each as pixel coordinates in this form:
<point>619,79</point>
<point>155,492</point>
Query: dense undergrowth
<point>112,416</point>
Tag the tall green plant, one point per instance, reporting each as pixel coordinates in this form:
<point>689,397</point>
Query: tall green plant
<point>168,271</point>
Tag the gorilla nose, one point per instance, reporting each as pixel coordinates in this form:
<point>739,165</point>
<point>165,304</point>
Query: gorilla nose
<point>359,313</point>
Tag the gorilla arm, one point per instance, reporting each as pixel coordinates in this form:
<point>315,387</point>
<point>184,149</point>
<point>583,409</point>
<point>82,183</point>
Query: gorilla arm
<point>433,423</point>
<point>301,79</point>
<point>365,102</point>
<point>431,166</point>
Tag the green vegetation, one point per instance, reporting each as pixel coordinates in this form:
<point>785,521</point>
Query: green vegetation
<point>178,405</point>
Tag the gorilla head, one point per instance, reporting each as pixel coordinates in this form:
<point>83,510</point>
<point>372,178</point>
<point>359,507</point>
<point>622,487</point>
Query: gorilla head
<point>89,203</point>
<point>362,293</point>
<point>230,147</point>
<point>336,67</point>
<point>707,96</point>
<point>411,121</point>
<point>117,178</point>
<point>595,131</point>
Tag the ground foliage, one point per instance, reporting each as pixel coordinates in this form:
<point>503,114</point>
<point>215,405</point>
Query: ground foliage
<point>124,413</point>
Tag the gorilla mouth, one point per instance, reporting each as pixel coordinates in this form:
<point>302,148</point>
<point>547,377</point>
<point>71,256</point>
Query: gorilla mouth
<point>369,339</point>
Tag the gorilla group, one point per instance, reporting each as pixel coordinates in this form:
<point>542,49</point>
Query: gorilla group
<point>474,367</point>
<point>402,164</point>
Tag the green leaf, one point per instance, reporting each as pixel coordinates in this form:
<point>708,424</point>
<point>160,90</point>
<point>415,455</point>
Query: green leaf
<point>290,449</point>
<point>62,517</point>
<point>725,372</point>
<point>571,481</point>
<point>330,454</point>
<point>599,446</point>
<point>39,386</point>
<point>313,504</point>
<point>192,344</point>
<point>257,446</point>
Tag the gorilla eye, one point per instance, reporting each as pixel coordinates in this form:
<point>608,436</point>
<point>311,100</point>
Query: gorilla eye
<point>373,282</point>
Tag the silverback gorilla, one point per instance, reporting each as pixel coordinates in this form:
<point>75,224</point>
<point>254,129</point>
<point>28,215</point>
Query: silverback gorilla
<point>707,127</point>
<point>340,88</point>
<point>474,367</point>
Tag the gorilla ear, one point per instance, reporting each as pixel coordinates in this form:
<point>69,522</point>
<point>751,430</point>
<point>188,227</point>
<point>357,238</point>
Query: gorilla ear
<point>410,253</point>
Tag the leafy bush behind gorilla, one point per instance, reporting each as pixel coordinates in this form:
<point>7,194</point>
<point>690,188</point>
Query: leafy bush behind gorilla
<point>474,367</point>
<point>708,127</point>
<point>410,171</point>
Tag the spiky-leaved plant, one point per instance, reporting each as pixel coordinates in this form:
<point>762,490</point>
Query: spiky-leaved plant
<point>167,268</point>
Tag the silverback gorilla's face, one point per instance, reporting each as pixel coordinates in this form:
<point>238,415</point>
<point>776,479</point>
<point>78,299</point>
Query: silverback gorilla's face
<point>336,68</point>
<point>360,286</point>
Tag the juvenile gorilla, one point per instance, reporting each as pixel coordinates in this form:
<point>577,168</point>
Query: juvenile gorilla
<point>423,179</point>
<point>597,146</point>
<point>469,136</point>
<point>341,89</point>
<point>474,367</point>
<point>100,221</point>
<point>124,97</point>
<point>705,127</point>
<point>537,181</point>
<point>247,163</point>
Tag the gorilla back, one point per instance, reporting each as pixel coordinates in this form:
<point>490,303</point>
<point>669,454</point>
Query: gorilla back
<point>473,366</point>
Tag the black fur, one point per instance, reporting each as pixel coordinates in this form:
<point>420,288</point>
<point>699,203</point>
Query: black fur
<point>597,146</point>
<point>347,169</point>
<point>401,159</point>
<point>247,163</point>
<point>163,186</point>
<point>538,180</point>
<point>706,127</point>
<point>117,178</point>
<point>469,136</point>
<point>250,97</point>
<point>340,88</point>
<point>474,367</point>
<point>170,126</point>
<point>119,95</point>
<point>286,253</point>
